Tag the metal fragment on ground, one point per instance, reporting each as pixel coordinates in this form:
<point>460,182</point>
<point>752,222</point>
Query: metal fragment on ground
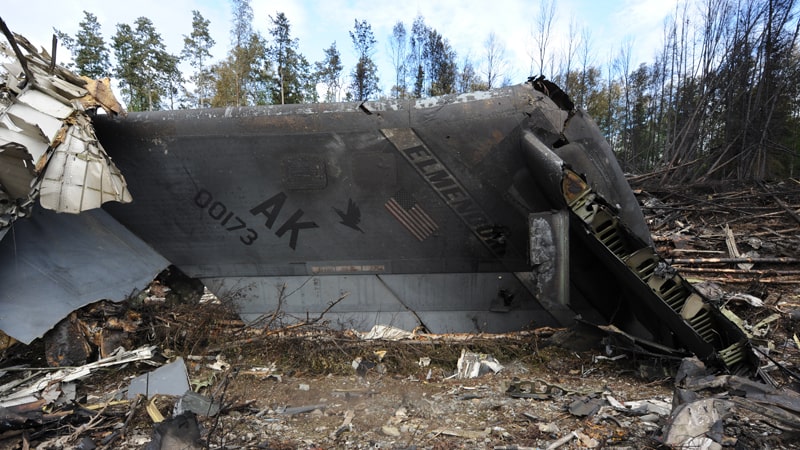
<point>198,404</point>
<point>473,365</point>
<point>31,388</point>
<point>169,379</point>
<point>692,422</point>
<point>386,332</point>
<point>586,406</point>
<point>705,400</point>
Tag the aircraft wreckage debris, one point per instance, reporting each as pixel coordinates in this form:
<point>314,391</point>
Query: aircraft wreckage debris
<point>602,405</point>
<point>46,137</point>
<point>51,156</point>
<point>478,213</point>
<point>504,262</point>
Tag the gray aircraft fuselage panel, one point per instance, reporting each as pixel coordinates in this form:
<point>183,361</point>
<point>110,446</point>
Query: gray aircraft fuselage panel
<point>415,210</point>
<point>254,191</point>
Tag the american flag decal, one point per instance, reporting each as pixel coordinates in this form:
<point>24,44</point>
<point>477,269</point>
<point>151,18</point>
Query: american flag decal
<point>405,209</point>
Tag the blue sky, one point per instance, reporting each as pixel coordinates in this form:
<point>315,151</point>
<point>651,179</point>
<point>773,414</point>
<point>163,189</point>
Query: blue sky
<point>465,23</point>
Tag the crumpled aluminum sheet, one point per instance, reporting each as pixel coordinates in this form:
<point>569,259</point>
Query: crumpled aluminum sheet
<point>48,147</point>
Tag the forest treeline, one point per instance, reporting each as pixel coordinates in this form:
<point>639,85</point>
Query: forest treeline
<point>720,101</point>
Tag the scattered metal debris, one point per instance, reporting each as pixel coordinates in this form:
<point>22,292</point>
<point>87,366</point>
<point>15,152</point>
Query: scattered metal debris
<point>26,399</point>
<point>703,401</point>
<point>586,406</point>
<point>537,389</point>
<point>387,333</point>
<point>198,404</point>
<point>473,365</point>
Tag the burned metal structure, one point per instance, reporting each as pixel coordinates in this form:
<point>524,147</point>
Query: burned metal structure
<point>488,211</point>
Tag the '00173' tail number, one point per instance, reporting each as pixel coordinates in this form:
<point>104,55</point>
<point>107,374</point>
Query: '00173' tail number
<point>219,212</point>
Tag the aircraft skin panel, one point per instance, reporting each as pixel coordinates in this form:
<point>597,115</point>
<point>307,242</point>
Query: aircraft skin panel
<point>367,191</point>
<point>269,223</point>
<point>440,303</point>
<point>76,259</point>
<point>239,189</point>
<point>411,207</point>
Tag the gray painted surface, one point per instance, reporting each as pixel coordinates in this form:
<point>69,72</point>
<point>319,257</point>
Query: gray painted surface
<point>56,263</point>
<point>442,303</point>
<point>418,210</point>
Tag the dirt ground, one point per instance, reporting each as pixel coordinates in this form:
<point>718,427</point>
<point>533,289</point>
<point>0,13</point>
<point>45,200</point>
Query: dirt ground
<point>414,410</point>
<point>302,391</point>
<point>558,388</point>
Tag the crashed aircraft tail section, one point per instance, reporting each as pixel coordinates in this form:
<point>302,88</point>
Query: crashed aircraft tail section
<point>486,211</point>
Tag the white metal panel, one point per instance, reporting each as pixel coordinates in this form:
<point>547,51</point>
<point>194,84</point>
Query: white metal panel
<point>45,103</point>
<point>27,118</point>
<point>36,146</point>
<point>80,176</point>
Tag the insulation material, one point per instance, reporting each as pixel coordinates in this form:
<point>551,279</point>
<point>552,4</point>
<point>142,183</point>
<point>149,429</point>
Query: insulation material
<point>47,143</point>
<point>80,176</point>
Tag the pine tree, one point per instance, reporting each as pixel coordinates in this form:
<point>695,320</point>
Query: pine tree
<point>329,72</point>
<point>440,59</point>
<point>196,50</point>
<point>365,74</point>
<point>89,51</point>
<point>147,73</point>
<point>293,83</point>
<point>241,78</point>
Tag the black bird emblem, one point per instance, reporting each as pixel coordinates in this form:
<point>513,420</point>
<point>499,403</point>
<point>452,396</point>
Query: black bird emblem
<point>352,217</point>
